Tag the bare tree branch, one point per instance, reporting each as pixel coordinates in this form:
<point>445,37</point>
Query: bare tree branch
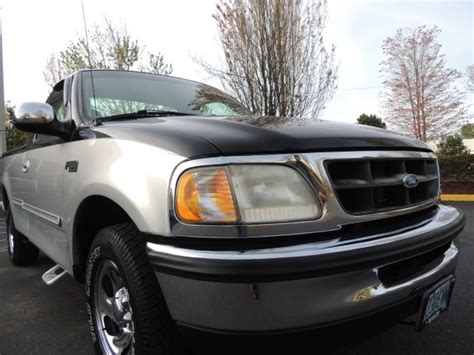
<point>470,78</point>
<point>420,97</point>
<point>275,61</point>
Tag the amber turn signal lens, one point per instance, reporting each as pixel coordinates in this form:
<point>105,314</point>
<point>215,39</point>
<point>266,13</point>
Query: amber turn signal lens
<point>187,201</point>
<point>204,195</point>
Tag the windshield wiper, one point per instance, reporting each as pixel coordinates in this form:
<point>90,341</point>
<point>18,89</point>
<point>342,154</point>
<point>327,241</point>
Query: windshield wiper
<point>143,114</point>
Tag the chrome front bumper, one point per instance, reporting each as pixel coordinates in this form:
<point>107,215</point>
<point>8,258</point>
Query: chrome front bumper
<point>298,286</point>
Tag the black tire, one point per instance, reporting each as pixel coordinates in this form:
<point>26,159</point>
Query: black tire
<point>20,250</point>
<point>121,248</point>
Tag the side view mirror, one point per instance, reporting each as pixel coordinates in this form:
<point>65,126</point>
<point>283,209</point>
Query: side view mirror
<point>38,117</point>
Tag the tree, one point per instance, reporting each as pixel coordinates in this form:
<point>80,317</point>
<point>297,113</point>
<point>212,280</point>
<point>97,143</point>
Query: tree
<point>452,146</point>
<point>454,159</point>
<point>275,61</point>
<point>419,96</point>
<point>467,131</point>
<point>15,137</point>
<point>109,47</point>
<point>371,120</point>
<point>470,78</point>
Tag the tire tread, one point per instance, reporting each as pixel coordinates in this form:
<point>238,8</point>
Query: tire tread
<point>25,253</point>
<point>158,332</point>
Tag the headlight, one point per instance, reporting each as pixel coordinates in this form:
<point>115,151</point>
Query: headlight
<point>246,194</point>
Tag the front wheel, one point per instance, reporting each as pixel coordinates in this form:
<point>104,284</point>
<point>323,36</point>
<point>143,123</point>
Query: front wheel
<point>20,250</point>
<point>127,311</point>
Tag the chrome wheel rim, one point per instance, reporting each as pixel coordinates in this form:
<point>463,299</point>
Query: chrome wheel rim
<point>113,312</point>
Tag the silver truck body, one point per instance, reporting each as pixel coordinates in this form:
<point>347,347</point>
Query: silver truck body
<point>266,286</point>
<point>45,198</point>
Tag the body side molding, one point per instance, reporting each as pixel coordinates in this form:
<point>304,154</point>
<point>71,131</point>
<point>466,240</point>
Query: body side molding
<point>47,216</point>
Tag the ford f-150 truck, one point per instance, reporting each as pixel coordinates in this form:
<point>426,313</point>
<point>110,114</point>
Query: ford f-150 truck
<point>179,208</point>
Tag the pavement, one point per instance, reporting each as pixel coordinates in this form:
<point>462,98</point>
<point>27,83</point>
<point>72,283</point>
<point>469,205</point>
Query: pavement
<point>35,318</point>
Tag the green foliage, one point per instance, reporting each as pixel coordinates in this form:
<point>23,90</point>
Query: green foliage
<point>452,146</point>
<point>467,131</point>
<point>455,161</point>
<point>458,168</point>
<point>109,47</point>
<point>15,137</point>
<point>371,120</point>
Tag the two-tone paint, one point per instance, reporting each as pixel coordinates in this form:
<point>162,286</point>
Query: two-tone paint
<point>132,163</point>
<point>136,164</point>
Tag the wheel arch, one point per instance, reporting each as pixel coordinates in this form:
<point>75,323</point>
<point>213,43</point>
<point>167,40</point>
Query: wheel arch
<point>94,213</point>
<point>5,183</point>
<point>5,198</point>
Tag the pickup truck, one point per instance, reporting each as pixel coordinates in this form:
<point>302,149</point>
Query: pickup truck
<point>181,209</point>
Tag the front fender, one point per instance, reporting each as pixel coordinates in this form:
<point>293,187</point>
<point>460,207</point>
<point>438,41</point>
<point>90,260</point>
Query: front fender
<point>134,175</point>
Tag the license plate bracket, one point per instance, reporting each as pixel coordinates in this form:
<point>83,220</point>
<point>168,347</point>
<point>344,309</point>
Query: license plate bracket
<point>434,302</point>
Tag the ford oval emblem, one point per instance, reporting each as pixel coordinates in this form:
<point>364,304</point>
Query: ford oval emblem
<point>410,181</point>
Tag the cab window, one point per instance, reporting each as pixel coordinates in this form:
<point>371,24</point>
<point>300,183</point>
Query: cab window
<point>57,100</point>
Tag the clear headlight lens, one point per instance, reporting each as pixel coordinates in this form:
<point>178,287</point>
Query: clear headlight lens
<point>245,193</point>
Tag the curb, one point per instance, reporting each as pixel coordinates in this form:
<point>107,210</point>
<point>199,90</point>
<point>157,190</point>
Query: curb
<point>457,197</point>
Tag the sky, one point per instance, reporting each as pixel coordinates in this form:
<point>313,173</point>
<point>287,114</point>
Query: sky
<point>183,29</point>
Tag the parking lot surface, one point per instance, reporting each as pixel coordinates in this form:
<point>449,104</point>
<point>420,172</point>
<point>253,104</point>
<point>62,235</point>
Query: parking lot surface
<point>35,318</point>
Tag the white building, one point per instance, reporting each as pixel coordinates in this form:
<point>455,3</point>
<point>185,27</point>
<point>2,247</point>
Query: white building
<point>469,143</point>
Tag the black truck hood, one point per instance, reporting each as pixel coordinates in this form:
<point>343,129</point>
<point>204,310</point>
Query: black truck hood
<point>237,135</point>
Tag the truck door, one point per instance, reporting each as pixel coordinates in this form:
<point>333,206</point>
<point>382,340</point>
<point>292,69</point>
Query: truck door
<point>18,187</point>
<point>43,169</point>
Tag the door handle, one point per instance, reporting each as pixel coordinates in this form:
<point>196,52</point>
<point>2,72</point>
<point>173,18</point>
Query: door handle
<point>26,166</point>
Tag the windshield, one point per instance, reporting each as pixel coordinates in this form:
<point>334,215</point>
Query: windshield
<point>122,92</point>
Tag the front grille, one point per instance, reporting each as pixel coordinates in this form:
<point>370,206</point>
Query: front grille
<point>375,185</point>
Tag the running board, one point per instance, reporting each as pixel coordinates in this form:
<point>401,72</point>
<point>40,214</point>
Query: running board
<point>53,275</point>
